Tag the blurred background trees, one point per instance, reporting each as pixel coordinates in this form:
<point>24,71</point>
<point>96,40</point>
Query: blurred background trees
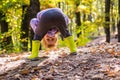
<point>88,19</point>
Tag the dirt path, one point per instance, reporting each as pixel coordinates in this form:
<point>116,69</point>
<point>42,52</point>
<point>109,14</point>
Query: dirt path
<point>96,61</point>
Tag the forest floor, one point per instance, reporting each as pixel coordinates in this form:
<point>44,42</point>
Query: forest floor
<point>97,60</point>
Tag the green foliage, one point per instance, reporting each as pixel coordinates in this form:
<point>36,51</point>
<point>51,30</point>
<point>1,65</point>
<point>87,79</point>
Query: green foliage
<point>12,9</point>
<point>48,4</point>
<point>4,47</point>
<point>86,30</point>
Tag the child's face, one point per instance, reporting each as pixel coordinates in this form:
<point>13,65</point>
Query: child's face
<point>50,39</point>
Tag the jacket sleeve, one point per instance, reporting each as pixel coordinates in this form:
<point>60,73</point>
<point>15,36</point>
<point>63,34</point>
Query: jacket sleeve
<point>34,23</point>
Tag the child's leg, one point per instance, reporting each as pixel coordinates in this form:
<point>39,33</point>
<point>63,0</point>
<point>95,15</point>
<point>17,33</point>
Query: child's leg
<point>36,42</point>
<point>68,38</point>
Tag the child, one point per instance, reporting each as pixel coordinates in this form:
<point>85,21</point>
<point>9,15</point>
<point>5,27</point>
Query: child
<point>52,18</point>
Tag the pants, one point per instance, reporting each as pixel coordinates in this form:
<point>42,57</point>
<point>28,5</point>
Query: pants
<point>51,19</point>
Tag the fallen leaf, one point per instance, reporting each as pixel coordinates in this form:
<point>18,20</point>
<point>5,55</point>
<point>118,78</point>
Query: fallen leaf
<point>63,54</point>
<point>24,71</point>
<point>97,65</point>
<point>110,51</point>
<point>111,73</point>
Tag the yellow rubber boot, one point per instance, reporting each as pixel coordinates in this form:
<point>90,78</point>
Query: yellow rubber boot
<point>35,50</point>
<point>69,41</point>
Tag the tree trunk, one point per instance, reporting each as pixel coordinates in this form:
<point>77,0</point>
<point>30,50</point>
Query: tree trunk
<point>29,13</point>
<point>24,26</point>
<point>118,26</point>
<point>107,20</point>
<point>78,21</point>
<point>113,18</point>
<point>4,28</point>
